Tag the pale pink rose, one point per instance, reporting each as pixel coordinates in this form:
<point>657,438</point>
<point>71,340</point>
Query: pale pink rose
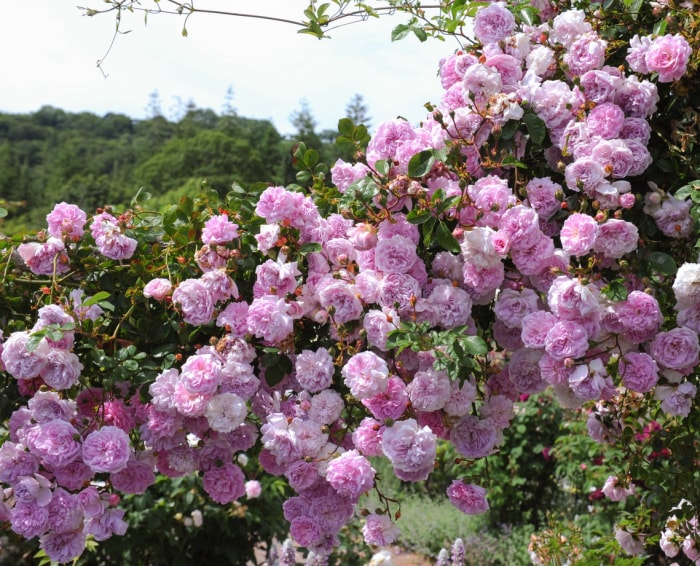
<point>157,289</point>
<point>493,23</point>
<point>410,449</point>
<point>253,489</point>
<point>106,449</point>
<point>615,491</point>
<point>55,442</point>
<point>66,220</point>
<point>586,53</point>
<point>639,371</point>
<point>676,349</point>
<point>195,301</point>
<point>473,437</point>
<point>219,230</point>
<point>366,374</point>
<point>636,52</point>
<point>468,498</point>
<point>616,238</point>
<point>224,484</point>
<point>379,530</point>
<point>668,56</point>
<point>350,474</point>
<point>45,258</point>
<point>391,403</point>
<point>395,255</point>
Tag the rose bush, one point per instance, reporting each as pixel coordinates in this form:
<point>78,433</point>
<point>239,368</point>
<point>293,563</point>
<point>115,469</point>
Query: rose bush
<point>523,237</point>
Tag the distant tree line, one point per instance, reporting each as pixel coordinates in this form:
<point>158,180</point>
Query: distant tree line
<point>51,155</point>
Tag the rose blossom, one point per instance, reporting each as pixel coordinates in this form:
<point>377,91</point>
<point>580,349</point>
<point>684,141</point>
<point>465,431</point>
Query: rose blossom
<point>586,53</point>
<point>55,442</point>
<point>615,491</point>
<point>389,404</point>
<point>676,401</point>
<point>195,300</point>
<point>468,498</point>
<point>639,317</point>
<point>524,370</point>
<point>410,449</point>
<point>366,374</point>
<point>616,238</point>
<point>66,220</point>
<point>639,371</point>
<point>668,56</point>
<point>225,412</point>
<point>268,318</point>
<point>224,484</point>
<point>395,255</point>
<point>342,300</point>
<point>157,289</point>
<point>535,326</point>
<point>314,369</point>
<point>62,369</point>
<point>493,23</point>
<point>512,306</point>
<point>566,339</point>
<point>106,449</point>
<point>629,543</point>
<point>45,258</point>
<point>379,530</point>
<point>219,230</point>
<point>350,474</point>
<point>63,547</point>
<point>19,362</point>
<point>676,349</point>
<point>367,437</point>
<point>326,407</point>
<point>474,438</point>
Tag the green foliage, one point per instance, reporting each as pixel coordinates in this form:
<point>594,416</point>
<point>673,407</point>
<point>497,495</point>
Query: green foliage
<point>162,529</point>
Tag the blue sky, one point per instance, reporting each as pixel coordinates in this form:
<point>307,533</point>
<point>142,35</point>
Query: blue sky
<point>50,50</point>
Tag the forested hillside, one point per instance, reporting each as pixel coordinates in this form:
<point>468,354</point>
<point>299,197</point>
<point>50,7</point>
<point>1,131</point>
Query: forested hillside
<point>51,156</point>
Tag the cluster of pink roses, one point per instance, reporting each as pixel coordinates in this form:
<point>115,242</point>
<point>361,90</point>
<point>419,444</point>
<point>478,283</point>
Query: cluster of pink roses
<point>520,254</point>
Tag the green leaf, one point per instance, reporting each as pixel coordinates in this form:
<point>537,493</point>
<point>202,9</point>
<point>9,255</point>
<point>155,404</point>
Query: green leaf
<point>535,127</point>
<point>96,298</point>
<point>474,345</point>
<point>663,263</point>
<point>310,247</point>
<point>421,163</point>
<point>382,167</point>
<point>303,177</point>
<point>427,230</point>
<point>615,291</point>
<point>3,212</point>
<point>509,128</point>
<point>660,27</point>
<point>420,34</point>
<point>311,157</point>
<point>399,32</point>
<point>529,15</point>
<point>419,215</point>
<point>445,238</point>
<point>346,127</point>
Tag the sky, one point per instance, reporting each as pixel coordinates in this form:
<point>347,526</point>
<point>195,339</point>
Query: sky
<point>50,51</point>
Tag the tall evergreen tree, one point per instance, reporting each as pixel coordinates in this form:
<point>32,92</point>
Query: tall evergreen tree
<point>358,112</point>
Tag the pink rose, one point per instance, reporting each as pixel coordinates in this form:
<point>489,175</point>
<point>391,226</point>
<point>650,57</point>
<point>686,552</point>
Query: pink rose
<point>224,484</point>
<point>106,449</point>
<point>157,289</point>
<point>350,474</point>
<point>493,23</point>
<point>668,56</point>
<point>468,498</point>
